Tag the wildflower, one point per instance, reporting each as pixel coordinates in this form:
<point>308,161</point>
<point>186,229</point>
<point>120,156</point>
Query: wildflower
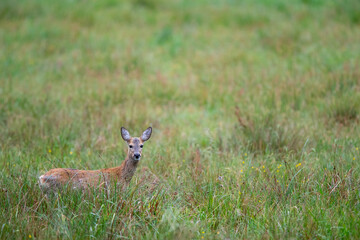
<point>277,180</point>
<point>277,170</point>
<point>71,153</point>
<point>218,232</point>
<point>357,149</point>
<point>29,235</point>
<point>241,170</point>
<point>245,154</point>
<point>298,165</point>
<point>252,167</point>
<point>263,166</point>
<point>203,232</point>
<point>239,193</point>
<point>243,162</point>
<point>49,150</point>
<point>353,158</point>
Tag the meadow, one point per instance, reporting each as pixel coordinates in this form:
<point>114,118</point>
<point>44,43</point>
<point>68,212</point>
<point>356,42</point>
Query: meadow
<point>255,109</point>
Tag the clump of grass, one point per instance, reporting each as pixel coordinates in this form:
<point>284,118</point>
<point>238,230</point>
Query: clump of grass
<point>12,10</point>
<point>284,43</point>
<point>343,100</point>
<point>264,134</point>
<point>344,109</point>
<point>345,79</point>
<point>348,9</point>
<point>147,4</point>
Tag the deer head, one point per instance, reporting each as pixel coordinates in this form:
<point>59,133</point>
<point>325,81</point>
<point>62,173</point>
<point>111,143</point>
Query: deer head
<point>135,144</point>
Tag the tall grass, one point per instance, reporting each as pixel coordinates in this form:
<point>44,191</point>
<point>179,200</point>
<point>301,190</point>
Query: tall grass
<point>285,165</point>
<point>268,134</point>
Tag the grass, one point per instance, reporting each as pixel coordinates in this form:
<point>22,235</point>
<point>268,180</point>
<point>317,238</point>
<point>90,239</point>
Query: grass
<point>285,165</point>
<point>267,134</point>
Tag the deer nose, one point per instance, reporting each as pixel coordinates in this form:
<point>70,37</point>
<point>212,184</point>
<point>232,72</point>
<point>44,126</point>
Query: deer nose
<point>137,156</point>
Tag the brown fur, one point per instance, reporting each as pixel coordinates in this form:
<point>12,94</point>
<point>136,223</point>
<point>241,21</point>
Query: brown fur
<point>121,175</point>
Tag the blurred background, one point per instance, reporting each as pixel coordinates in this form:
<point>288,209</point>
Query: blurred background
<point>219,81</point>
<point>81,69</point>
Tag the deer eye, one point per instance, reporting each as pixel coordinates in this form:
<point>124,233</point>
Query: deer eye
<point>141,146</point>
<point>130,146</point>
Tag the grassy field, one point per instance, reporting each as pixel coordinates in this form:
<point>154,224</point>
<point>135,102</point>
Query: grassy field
<point>255,107</point>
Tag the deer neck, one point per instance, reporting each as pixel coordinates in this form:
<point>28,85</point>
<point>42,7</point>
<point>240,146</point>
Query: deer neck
<point>128,168</point>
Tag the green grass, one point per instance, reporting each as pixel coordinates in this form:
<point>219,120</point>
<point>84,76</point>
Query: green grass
<point>254,105</point>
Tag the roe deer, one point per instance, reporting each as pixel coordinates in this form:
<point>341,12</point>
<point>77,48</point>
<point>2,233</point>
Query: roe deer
<point>122,175</point>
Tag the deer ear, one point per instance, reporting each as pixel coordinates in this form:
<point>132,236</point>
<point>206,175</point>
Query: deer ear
<point>146,134</point>
<point>125,134</point>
